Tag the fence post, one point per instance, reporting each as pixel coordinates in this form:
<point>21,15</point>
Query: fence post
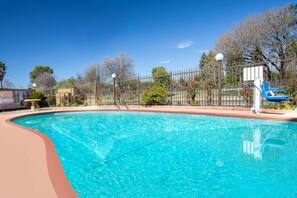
<point>51,96</point>
<point>219,83</point>
<point>294,65</point>
<point>219,57</point>
<point>170,83</point>
<point>138,91</point>
<point>90,93</point>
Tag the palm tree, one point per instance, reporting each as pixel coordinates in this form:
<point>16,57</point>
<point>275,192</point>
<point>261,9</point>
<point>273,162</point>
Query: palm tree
<point>2,72</point>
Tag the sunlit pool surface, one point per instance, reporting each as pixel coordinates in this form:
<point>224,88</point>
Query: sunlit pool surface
<point>129,154</point>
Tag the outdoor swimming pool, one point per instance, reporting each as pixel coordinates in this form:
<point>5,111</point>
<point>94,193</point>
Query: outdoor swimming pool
<point>132,154</point>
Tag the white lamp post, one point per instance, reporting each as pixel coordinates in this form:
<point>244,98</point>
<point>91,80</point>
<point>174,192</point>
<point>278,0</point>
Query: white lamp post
<point>34,86</point>
<point>219,57</point>
<point>114,95</point>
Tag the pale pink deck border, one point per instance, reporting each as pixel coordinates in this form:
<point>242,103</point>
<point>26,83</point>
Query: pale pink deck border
<point>56,173</point>
<point>55,170</point>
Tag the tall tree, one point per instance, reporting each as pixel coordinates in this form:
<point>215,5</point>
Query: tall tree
<point>210,67</point>
<point>203,60</point>
<point>256,55</point>
<point>122,66</point>
<point>234,68</point>
<point>45,81</point>
<point>272,35</point>
<point>8,84</point>
<point>38,70</point>
<point>79,80</point>
<point>2,72</point>
<point>66,83</point>
<point>161,76</point>
<point>95,73</point>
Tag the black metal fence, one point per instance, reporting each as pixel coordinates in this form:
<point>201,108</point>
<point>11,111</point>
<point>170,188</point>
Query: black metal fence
<point>199,86</point>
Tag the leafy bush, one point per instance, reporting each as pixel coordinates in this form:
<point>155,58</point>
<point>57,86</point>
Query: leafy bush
<point>36,95</point>
<point>51,100</point>
<point>290,89</point>
<point>283,105</point>
<point>191,87</point>
<point>247,95</point>
<point>81,98</point>
<point>195,103</point>
<point>155,95</point>
<point>161,76</point>
<point>272,106</point>
<point>39,95</point>
<point>208,86</point>
<point>286,105</point>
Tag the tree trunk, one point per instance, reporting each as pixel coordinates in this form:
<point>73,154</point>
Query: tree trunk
<point>269,74</point>
<point>282,71</point>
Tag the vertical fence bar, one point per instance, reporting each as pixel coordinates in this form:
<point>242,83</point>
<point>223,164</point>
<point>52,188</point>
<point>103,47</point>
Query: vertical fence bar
<point>182,88</point>
<point>138,91</point>
<point>203,95</point>
<point>225,93</point>
<point>170,88</point>
<point>219,83</point>
<point>294,64</point>
<point>90,94</point>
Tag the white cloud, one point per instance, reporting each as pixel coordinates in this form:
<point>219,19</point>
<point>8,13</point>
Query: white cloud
<point>185,44</point>
<point>165,62</point>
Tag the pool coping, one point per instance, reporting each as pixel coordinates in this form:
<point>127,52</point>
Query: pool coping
<point>57,177</point>
<point>56,173</point>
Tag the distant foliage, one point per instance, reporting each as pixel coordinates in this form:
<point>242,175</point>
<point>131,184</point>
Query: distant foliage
<point>247,96</point>
<point>45,81</point>
<point>161,76</point>
<point>66,83</point>
<point>2,72</point>
<point>156,95</point>
<point>95,74</point>
<point>290,89</point>
<point>191,91</point>
<point>81,98</point>
<point>208,87</point>
<point>8,83</point>
<point>263,38</point>
<point>39,70</point>
<point>121,65</point>
<point>209,68</point>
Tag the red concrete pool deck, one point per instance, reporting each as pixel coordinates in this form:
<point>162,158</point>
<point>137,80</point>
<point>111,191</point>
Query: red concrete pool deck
<point>30,167</point>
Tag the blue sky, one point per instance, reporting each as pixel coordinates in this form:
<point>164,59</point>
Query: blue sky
<point>69,35</point>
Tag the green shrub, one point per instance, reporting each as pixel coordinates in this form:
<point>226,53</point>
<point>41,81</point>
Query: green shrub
<point>155,95</point>
<point>273,105</point>
<point>247,95</point>
<point>195,103</point>
<point>39,95</point>
<point>73,104</point>
<point>36,95</point>
<point>290,88</point>
<point>191,87</point>
<point>286,105</point>
<point>51,100</point>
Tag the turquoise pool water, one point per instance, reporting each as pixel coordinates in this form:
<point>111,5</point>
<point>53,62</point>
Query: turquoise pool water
<point>130,154</point>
